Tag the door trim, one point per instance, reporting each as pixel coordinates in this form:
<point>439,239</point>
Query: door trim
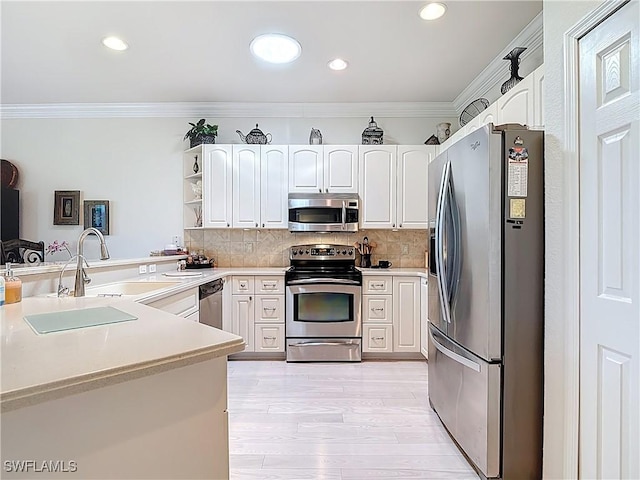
<point>571,231</point>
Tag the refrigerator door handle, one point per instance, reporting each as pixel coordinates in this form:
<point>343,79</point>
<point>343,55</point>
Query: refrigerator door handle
<point>443,273</point>
<point>452,355</point>
<point>453,244</point>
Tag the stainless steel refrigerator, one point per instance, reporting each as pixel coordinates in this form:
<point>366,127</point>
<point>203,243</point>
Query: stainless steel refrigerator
<point>486,298</point>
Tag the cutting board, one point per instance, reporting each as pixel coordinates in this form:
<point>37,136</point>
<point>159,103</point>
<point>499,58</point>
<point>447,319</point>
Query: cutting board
<point>72,319</point>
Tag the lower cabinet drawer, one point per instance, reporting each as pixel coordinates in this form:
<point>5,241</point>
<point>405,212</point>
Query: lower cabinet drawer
<point>377,338</point>
<point>269,337</point>
<point>182,304</point>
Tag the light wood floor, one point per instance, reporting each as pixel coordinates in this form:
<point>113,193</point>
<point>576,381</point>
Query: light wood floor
<point>317,421</point>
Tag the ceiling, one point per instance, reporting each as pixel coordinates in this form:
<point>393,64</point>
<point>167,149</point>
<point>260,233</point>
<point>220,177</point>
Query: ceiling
<point>184,51</point>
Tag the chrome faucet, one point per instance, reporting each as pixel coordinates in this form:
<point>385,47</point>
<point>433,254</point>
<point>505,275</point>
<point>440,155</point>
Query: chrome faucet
<point>81,276</point>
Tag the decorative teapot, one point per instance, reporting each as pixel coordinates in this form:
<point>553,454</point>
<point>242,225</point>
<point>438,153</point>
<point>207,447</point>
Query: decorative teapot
<point>255,136</point>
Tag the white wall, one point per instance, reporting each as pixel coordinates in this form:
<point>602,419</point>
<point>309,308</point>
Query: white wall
<point>559,17</point>
<point>135,163</point>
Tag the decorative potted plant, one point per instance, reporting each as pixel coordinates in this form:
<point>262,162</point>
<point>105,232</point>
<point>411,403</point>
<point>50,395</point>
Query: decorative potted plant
<point>201,132</point>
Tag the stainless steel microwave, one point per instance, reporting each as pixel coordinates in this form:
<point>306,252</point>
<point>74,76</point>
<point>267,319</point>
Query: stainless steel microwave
<point>323,212</point>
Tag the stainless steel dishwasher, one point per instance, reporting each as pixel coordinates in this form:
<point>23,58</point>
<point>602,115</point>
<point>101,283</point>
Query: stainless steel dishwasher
<point>211,303</point>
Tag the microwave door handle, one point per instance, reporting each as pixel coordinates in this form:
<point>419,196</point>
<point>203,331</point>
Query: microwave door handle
<point>344,215</point>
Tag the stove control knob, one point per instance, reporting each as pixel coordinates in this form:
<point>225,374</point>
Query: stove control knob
<point>350,252</point>
<point>301,251</point>
<point>295,252</point>
<point>344,252</point>
<point>307,252</point>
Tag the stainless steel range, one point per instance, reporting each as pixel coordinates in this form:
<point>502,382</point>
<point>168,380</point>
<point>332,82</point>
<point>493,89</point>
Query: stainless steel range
<point>323,303</point>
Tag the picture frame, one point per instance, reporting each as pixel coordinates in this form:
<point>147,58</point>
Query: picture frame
<point>66,207</point>
<point>96,215</point>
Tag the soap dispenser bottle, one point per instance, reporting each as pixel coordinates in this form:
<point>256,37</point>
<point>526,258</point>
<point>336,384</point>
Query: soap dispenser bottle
<point>12,287</point>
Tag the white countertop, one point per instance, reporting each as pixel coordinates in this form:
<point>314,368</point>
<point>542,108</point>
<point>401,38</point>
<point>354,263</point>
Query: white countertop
<point>39,367</point>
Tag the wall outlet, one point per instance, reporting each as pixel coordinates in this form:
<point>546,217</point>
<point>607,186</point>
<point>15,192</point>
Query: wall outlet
<point>152,268</point>
<point>405,249</point>
<point>142,269</point>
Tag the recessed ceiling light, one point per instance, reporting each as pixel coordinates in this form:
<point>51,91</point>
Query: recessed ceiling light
<point>431,11</point>
<point>275,48</point>
<point>114,43</point>
<point>338,64</point>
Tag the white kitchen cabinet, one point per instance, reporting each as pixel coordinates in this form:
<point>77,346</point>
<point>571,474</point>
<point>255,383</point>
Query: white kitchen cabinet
<point>377,285</point>
<point>377,309</point>
<point>413,167</point>
<point>306,174</point>
<point>257,311</point>
<point>269,338</point>
<point>182,304</point>
<point>323,168</point>
<point>340,168</point>
<point>393,186</point>
<point>217,197</point>
<point>516,106</point>
<point>246,186</point>
<point>406,314</point>
<point>377,338</point>
<point>274,179</point>
<point>242,319</point>
<point>377,186</point>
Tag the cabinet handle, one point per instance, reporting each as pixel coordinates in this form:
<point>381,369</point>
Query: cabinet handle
<point>377,338</point>
<point>269,338</point>
<point>320,190</point>
<point>377,285</point>
<point>393,226</point>
<point>269,309</point>
<point>400,225</point>
<point>256,224</point>
<point>263,225</point>
<point>326,190</point>
<point>379,309</point>
<point>228,225</point>
<point>269,286</point>
<point>250,298</point>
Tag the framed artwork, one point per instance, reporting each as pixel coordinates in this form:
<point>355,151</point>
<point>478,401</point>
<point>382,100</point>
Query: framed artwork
<point>66,207</point>
<point>96,215</point>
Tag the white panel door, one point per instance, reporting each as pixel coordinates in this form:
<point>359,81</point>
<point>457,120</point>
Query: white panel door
<point>341,168</point>
<point>242,319</point>
<point>609,248</point>
<point>377,186</point>
<point>413,165</point>
<point>305,169</point>
<point>516,106</point>
<point>274,182</point>
<point>538,96</point>
<point>406,314</point>
<point>246,186</point>
<point>217,186</point>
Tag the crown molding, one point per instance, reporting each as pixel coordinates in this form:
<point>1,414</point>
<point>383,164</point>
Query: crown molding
<point>494,74</point>
<point>229,110</point>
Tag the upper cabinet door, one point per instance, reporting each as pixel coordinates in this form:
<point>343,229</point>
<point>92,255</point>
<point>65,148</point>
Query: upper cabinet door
<point>305,169</point>
<point>274,181</point>
<point>217,186</point>
<point>341,168</point>
<point>516,106</point>
<point>246,186</point>
<point>413,165</point>
<point>377,185</point>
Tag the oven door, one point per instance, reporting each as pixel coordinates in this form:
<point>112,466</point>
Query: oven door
<point>325,308</point>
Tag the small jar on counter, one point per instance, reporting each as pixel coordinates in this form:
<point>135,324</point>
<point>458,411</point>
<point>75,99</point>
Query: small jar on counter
<point>12,287</point>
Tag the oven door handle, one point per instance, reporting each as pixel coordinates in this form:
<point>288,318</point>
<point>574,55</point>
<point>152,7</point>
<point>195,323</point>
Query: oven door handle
<point>321,344</point>
<point>308,281</point>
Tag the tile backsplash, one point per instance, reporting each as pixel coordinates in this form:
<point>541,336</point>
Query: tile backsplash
<point>269,248</point>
